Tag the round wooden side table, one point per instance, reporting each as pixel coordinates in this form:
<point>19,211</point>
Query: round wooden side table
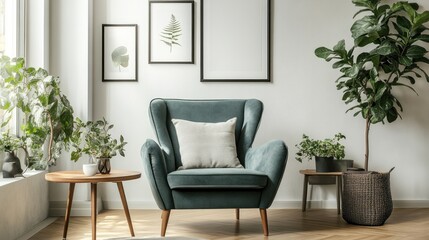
<point>73,177</point>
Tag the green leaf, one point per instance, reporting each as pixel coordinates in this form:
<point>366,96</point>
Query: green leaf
<point>323,52</point>
<point>384,49</point>
<point>353,71</point>
<point>410,11</point>
<point>364,26</point>
<point>380,92</point>
<point>423,37</point>
<point>366,39</point>
<point>404,60</point>
<point>392,115</point>
<point>339,64</point>
<point>403,22</point>
<point>340,46</point>
<point>415,51</point>
<point>421,19</point>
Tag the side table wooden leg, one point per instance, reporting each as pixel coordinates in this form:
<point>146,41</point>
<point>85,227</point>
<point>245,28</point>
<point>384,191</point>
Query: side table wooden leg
<point>338,194</point>
<point>304,193</point>
<point>125,205</point>
<point>94,210</point>
<point>68,209</point>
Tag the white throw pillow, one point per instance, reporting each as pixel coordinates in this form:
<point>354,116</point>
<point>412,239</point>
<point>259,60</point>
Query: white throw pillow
<point>207,145</point>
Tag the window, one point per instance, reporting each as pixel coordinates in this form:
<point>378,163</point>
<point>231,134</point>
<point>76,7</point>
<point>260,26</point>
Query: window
<point>11,41</point>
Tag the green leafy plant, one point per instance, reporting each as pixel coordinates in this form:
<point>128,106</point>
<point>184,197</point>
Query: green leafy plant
<point>9,143</point>
<point>170,34</point>
<point>309,148</point>
<point>48,115</point>
<point>120,58</point>
<point>390,50</point>
<point>93,138</point>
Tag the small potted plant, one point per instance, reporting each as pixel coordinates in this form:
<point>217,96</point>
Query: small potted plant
<point>11,164</point>
<point>324,151</point>
<point>93,138</point>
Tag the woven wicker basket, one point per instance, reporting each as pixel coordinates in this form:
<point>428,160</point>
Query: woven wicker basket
<point>366,198</point>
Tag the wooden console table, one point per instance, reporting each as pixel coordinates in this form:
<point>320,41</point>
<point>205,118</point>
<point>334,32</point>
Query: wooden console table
<point>73,177</point>
<point>311,172</point>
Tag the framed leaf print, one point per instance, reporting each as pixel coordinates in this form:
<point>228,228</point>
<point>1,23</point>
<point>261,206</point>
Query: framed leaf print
<point>171,32</point>
<point>235,47</point>
<point>119,53</point>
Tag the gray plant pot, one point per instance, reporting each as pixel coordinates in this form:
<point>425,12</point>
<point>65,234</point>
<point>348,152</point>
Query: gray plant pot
<point>11,166</point>
<point>329,164</point>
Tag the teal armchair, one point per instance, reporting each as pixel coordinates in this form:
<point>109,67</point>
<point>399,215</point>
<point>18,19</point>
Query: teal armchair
<point>253,186</point>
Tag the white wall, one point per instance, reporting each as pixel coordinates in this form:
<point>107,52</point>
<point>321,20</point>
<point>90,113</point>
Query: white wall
<point>301,99</point>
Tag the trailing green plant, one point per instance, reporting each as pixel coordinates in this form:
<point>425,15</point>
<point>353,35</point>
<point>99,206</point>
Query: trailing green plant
<point>387,53</point>
<point>47,114</point>
<point>93,138</point>
<point>329,147</point>
<point>170,34</point>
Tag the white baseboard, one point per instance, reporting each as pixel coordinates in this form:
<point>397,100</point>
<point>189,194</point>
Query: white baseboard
<point>332,204</point>
<point>83,208</point>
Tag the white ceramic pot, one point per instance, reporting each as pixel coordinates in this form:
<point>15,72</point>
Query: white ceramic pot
<point>90,169</point>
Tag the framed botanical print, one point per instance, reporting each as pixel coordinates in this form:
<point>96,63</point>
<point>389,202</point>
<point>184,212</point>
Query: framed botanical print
<point>119,52</point>
<point>171,32</point>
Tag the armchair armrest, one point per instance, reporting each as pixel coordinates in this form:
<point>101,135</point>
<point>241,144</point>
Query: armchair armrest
<point>156,172</point>
<point>271,159</point>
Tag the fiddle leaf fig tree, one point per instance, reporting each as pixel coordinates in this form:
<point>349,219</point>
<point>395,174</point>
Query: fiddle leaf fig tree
<point>48,115</point>
<point>389,48</point>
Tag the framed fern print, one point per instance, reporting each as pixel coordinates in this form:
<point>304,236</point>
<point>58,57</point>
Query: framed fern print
<point>235,48</point>
<point>171,31</point>
<point>119,52</point>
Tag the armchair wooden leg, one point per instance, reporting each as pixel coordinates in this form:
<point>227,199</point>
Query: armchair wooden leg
<point>165,216</point>
<point>237,213</point>
<point>264,220</point>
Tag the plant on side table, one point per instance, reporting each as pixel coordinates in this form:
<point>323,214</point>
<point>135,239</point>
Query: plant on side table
<point>93,138</point>
<point>326,152</point>
<point>11,164</point>
<point>390,42</point>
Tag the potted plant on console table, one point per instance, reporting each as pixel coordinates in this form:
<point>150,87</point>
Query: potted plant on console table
<point>327,153</point>
<point>97,143</point>
<point>390,42</point>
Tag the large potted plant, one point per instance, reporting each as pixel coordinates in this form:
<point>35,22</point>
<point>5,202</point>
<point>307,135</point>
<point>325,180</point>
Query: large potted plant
<point>327,153</point>
<point>93,138</point>
<point>387,54</point>
<point>47,114</point>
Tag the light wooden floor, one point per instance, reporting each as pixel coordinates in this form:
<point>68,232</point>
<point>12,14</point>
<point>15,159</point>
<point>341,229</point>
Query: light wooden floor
<point>221,224</point>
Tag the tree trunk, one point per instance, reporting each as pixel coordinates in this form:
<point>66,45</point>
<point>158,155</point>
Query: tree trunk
<point>368,124</point>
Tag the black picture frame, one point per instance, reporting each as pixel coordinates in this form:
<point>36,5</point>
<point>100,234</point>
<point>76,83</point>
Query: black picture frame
<point>162,16</point>
<point>119,53</point>
<point>222,61</point>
